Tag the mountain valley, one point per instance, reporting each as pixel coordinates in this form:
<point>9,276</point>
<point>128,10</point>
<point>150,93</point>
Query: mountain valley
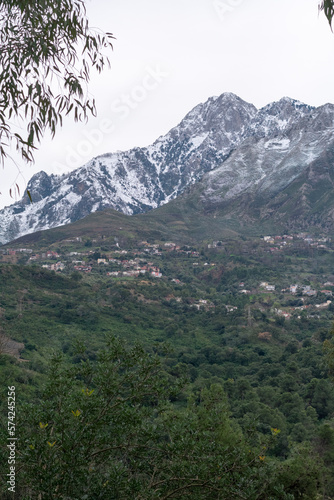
<point>215,287</point>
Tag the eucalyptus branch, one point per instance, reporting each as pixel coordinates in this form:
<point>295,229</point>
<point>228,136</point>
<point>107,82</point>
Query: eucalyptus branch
<point>40,41</point>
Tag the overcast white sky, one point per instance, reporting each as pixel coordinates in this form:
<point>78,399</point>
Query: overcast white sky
<point>171,55</point>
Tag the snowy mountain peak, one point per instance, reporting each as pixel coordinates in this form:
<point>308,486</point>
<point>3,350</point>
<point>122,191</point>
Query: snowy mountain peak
<point>293,102</point>
<point>286,105</point>
<point>42,184</point>
<point>230,97</point>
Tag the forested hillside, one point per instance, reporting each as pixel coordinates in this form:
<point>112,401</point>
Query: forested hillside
<point>155,369</point>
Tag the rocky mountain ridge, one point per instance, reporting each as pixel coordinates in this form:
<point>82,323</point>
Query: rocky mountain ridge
<point>284,171</point>
<point>233,148</point>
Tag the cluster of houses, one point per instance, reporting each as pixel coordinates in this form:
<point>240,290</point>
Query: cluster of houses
<point>58,266</point>
<point>82,268</point>
<point>169,246</point>
<point>293,289</point>
<point>133,267</point>
<point>13,251</point>
<point>128,267</point>
<point>278,243</point>
<point>307,290</point>
<point>288,312</point>
<point>271,240</point>
<point>282,241</point>
<point>266,286</point>
<point>50,254</point>
<point>204,304</point>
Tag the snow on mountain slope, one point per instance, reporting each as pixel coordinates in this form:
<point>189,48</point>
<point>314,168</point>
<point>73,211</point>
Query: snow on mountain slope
<point>287,138</point>
<point>137,180</point>
<point>229,144</point>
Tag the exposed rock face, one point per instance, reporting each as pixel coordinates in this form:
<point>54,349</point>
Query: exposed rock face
<point>283,168</point>
<point>245,157</point>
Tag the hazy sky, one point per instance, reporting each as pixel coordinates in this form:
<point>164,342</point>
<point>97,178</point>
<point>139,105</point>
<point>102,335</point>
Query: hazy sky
<point>171,55</point>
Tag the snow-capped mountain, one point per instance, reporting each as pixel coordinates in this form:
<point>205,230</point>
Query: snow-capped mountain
<point>283,168</point>
<point>233,148</point>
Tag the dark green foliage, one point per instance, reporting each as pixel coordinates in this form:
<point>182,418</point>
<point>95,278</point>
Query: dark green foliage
<point>328,7</point>
<point>107,430</point>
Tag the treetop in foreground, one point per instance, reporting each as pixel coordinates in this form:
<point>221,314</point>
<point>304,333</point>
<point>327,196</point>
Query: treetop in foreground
<point>108,429</point>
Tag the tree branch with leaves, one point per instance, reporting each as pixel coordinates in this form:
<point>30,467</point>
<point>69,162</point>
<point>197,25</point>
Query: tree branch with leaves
<point>47,51</point>
<point>328,7</point>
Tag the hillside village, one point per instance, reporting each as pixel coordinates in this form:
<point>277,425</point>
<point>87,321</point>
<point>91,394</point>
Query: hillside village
<point>151,260</point>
